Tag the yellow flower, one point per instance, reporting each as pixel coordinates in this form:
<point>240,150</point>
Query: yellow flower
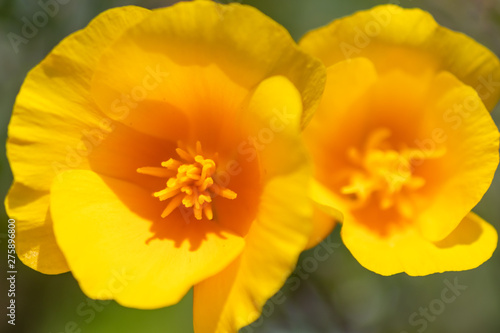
<point>402,143</point>
<point>154,151</point>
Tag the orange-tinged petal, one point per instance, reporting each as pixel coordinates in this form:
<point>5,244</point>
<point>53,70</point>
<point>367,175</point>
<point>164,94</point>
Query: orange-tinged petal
<point>468,246</point>
<point>206,50</point>
<point>411,40</point>
<point>272,147</point>
<point>122,151</point>
<point>35,242</point>
<point>459,179</point>
<point>112,227</point>
<point>277,108</point>
<point>245,179</point>
<point>336,123</point>
<point>234,297</point>
<point>171,102</point>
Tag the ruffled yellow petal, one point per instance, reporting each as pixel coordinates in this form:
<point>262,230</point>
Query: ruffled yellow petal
<point>410,40</point>
<point>118,247</point>
<point>468,246</point>
<point>273,119</point>
<point>54,99</point>
<point>234,297</point>
<point>35,242</point>
<point>464,172</point>
<point>206,51</point>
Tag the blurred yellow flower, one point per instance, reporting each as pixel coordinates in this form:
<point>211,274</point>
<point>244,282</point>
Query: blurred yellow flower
<point>403,143</point>
<point>154,151</point>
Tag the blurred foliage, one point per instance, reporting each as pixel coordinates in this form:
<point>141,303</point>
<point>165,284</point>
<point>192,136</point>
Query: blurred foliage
<point>338,295</point>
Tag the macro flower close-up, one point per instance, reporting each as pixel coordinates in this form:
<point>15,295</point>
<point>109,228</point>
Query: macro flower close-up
<point>403,142</point>
<point>154,151</point>
<point>250,166</point>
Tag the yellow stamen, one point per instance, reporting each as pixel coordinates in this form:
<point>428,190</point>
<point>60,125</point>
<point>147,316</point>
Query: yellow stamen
<point>190,182</point>
<point>208,211</point>
<point>223,192</point>
<point>156,171</point>
<point>384,173</point>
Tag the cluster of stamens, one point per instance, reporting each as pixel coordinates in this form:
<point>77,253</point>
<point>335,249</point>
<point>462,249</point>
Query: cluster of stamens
<point>190,182</point>
<point>385,173</point>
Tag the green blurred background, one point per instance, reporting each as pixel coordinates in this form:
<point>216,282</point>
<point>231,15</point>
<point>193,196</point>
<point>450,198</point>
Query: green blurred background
<point>338,295</point>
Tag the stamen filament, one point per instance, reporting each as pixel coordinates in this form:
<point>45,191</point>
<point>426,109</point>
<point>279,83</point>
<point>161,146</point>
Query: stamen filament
<point>156,172</point>
<point>184,155</point>
<point>173,204</point>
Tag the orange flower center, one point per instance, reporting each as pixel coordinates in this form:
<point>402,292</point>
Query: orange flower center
<point>190,182</point>
<point>385,173</point>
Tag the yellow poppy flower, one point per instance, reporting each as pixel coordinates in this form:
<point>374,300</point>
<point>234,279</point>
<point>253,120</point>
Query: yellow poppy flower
<point>154,151</point>
<point>403,143</point>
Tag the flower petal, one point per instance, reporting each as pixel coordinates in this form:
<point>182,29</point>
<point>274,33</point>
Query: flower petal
<point>468,246</point>
<point>411,40</point>
<point>323,225</point>
<point>273,123</point>
<point>347,84</point>
<point>234,297</point>
<point>134,256</point>
<point>53,94</point>
<point>195,51</point>
<point>274,117</point>
<point>459,179</point>
<point>440,113</point>
<point>272,147</point>
<point>326,213</point>
<point>35,242</point>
